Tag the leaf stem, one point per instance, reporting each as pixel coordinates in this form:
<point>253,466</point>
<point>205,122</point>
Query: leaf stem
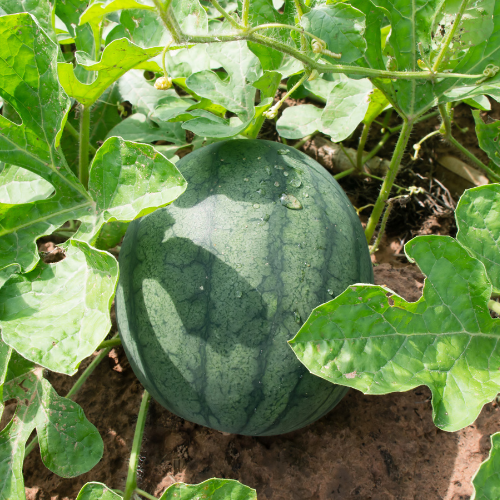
<point>494,306</point>
<point>381,231</point>
<point>114,342</point>
<point>474,159</point>
<point>74,133</point>
<point>385,190</point>
<point>76,387</point>
<point>83,162</point>
<point>449,37</point>
<point>145,494</point>
<point>136,447</point>
<point>245,12</point>
<point>361,146</point>
<point>284,26</point>
<point>226,15</point>
<point>345,173</point>
<point>304,140</point>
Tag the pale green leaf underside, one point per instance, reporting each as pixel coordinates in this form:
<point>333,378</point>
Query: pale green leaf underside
<point>478,221</point>
<point>298,121</point>
<point>18,185</point>
<point>69,444</point>
<point>57,314</point>
<point>371,339</point>
<point>96,12</point>
<point>128,180</point>
<point>345,108</point>
<point>117,58</point>
<point>488,135</point>
<point>486,481</point>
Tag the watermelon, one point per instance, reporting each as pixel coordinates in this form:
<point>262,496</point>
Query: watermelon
<point>213,286</point>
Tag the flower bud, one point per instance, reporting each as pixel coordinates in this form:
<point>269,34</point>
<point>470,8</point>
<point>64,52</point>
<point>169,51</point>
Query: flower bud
<point>163,83</point>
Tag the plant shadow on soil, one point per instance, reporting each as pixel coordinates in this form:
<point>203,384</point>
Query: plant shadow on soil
<point>368,447</point>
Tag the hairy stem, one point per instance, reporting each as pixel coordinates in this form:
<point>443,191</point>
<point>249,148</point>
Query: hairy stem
<point>474,159</point>
<point>73,132</point>
<point>361,146</point>
<point>245,12</point>
<point>302,141</point>
<point>494,306</point>
<point>169,20</point>
<point>136,447</point>
<point>385,190</point>
<point>285,26</point>
<point>83,160</point>
<point>445,116</point>
<point>381,232</point>
<point>78,385</point>
<point>226,15</point>
<point>449,37</point>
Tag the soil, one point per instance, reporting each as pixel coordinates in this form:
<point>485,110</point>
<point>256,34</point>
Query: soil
<point>368,447</point>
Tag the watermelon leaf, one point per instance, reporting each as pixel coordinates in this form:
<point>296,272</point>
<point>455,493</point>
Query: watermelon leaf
<point>488,136</point>
<point>117,58</point>
<point>298,121</point>
<point>97,491</point>
<point>341,26</point>
<point>478,220</point>
<point>486,481</point>
<point>128,180</point>
<point>371,339</point>
<point>215,489</point>
<point>69,444</point>
<point>234,94</point>
<point>18,185</point>
<point>81,288</point>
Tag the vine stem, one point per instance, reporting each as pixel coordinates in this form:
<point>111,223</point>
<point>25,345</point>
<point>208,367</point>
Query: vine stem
<point>83,161</point>
<point>145,494</point>
<point>494,306</point>
<point>76,387</point>
<point>361,146</point>
<point>245,12</point>
<point>286,26</point>
<point>385,190</point>
<point>449,37</point>
<point>226,15</point>
<point>76,135</point>
<point>136,447</point>
<point>383,223</point>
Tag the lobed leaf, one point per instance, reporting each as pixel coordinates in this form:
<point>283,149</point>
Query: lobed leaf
<point>488,136</point>
<point>29,83</point>
<point>128,180</point>
<point>371,339</point>
<point>341,26</point>
<point>234,94</point>
<point>69,444</point>
<point>215,489</point>
<point>117,58</point>
<point>97,491</point>
<point>486,481</point>
<point>57,314</point>
<point>478,221</point>
<point>18,185</point>
<point>298,121</point>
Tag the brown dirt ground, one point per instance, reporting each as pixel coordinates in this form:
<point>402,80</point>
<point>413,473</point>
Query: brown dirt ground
<point>368,447</point>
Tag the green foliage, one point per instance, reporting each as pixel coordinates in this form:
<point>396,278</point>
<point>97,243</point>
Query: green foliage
<point>68,454</point>
<point>371,339</point>
<point>486,481</point>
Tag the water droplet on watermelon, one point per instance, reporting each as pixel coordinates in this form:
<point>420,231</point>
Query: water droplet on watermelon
<point>295,183</point>
<point>261,192</point>
<point>285,174</point>
<point>265,218</point>
<point>239,294</point>
<point>330,292</point>
<point>289,201</point>
<point>297,318</point>
<point>283,151</point>
<point>255,409</point>
<point>246,179</point>
<point>256,205</point>
<point>307,264</point>
<point>277,184</point>
<point>279,167</point>
<point>306,195</point>
<point>268,170</point>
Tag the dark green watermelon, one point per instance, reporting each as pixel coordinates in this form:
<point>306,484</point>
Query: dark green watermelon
<point>213,286</point>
